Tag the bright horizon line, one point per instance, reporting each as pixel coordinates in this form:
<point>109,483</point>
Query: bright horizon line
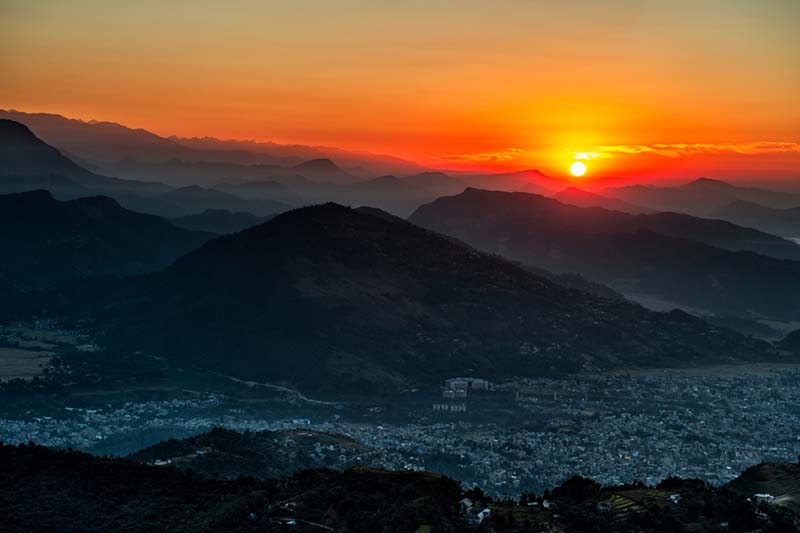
<point>465,164</point>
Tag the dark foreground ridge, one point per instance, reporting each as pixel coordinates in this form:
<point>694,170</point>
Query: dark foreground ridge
<point>42,489</point>
<point>338,302</point>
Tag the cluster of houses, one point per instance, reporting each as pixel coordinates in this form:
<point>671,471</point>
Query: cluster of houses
<point>458,387</point>
<point>474,514</point>
<point>450,407</point>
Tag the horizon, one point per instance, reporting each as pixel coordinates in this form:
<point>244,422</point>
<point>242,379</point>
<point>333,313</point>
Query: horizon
<point>638,91</point>
<point>594,184</point>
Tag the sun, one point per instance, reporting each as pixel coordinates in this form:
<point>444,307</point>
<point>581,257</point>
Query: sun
<point>577,169</point>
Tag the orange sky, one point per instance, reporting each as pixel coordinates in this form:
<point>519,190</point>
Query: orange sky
<point>645,88</point>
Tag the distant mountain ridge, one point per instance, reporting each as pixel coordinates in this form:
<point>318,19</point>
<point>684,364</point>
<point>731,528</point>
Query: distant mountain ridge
<point>784,222</point>
<point>27,161</point>
<point>582,198</point>
<point>109,145</point>
<point>701,197</point>
<point>701,264</point>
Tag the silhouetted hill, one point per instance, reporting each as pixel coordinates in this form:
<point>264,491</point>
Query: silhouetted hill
<point>665,254</point>
<point>550,215</point>
<point>533,181</point>
<point>264,454</point>
<point>332,300</point>
<point>48,490</point>
<point>21,152</point>
<point>43,489</point>
<point>219,221</point>
<point>784,222</point>
<point>44,241</point>
<point>28,163</point>
<point>701,197</point>
<point>438,183</point>
<point>581,198</point>
<point>117,150</point>
<point>323,169</point>
<point>386,184</point>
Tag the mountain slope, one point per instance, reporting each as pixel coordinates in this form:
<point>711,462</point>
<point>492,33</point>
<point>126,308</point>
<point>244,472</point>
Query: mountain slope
<point>701,197</point>
<point>656,255</point>
<point>264,454</point>
<point>43,489</point>
<point>44,241</point>
<point>779,221</point>
<point>118,150</point>
<point>27,162</point>
<point>333,300</point>
<point>549,215</point>
<point>581,198</point>
<point>22,153</point>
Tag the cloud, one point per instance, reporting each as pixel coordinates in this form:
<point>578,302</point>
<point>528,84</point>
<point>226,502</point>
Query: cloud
<point>680,150</point>
<point>509,154</point>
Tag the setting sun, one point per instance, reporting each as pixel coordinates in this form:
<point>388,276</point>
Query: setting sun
<point>577,169</point>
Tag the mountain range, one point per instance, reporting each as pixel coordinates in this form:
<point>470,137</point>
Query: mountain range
<point>581,198</point>
<point>112,148</point>
<point>332,300</point>
<point>778,221</point>
<point>705,264</point>
<point>44,241</point>
<point>45,489</point>
<point>702,197</point>
<point>28,163</point>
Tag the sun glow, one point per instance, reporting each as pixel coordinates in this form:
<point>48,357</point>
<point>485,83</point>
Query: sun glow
<point>577,169</point>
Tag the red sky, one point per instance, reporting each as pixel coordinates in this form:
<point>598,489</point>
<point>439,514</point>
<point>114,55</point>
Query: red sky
<point>648,89</point>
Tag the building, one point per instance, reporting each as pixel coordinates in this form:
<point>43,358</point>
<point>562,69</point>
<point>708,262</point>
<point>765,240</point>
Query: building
<point>476,519</point>
<point>458,387</point>
<point>764,498</point>
<point>450,407</point>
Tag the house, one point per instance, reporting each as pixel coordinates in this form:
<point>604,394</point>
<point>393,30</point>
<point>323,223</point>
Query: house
<point>466,505</point>
<point>764,498</point>
<point>605,506</point>
<point>476,519</point>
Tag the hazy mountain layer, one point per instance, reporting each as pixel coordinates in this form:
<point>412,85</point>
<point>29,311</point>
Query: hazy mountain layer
<point>681,259</point>
<point>701,197</point>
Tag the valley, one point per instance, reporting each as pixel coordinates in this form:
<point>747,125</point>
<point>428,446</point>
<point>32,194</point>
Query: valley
<point>521,435</point>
